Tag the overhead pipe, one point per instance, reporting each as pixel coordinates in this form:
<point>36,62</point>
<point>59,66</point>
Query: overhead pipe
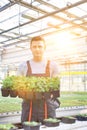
<point>20,37</point>
<point>56,8</point>
<point>55,26</point>
<point>49,33</point>
<point>27,39</point>
<point>6,6</point>
<point>25,4</point>
<point>79,18</point>
<point>71,27</point>
<point>49,14</point>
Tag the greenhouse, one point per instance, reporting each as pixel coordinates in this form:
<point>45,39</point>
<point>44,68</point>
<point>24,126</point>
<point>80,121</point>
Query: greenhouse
<point>62,26</point>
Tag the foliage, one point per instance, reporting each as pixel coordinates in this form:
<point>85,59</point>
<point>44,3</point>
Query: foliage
<point>35,84</point>
<point>32,123</point>
<point>6,126</point>
<point>8,82</point>
<point>69,99</point>
<point>69,117</point>
<point>10,104</point>
<point>52,120</point>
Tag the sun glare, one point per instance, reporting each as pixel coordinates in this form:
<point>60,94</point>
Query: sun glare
<point>64,40</point>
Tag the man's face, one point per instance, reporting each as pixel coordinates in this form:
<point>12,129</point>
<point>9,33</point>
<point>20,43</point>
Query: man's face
<point>37,48</point>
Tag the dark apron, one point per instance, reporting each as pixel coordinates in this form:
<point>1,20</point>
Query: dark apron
<point>38,110</point>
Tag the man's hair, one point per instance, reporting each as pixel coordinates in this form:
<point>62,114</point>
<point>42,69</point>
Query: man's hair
<point>38,38</point>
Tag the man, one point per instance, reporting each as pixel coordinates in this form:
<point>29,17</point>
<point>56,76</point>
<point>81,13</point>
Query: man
<point>38,66</point>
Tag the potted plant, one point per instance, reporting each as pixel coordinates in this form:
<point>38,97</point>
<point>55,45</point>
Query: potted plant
<point>37,87</point>
<point>13,93</point>
<point>68,119</point>
<point>82,117</point>
<point>53,87</point>
<point>32,87</point>
<point>51,122</point>
<point>7,83</point>
<point>7,127</point>
<point>31,125</point>
<point>19,86</point>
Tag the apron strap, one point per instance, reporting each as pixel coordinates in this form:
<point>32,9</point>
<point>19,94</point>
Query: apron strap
<point>29,72</point>
<point>48,69</point>
<point>45,109</point>
<point>30,112</point>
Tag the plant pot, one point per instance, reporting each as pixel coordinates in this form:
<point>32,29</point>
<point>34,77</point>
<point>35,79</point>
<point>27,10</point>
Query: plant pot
<point>51,122</point>
<point>68,120</point>
<point>82,117</point>
<point>5,92</point>
<point>13,93</point>
<point>31,127</point>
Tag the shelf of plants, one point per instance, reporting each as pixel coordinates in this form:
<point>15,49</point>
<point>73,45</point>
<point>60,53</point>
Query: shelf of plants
<point>31,87</point>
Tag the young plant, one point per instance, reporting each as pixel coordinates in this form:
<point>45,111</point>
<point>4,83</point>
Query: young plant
<point>32,123</point>
<point>7,127</point>
<point>8,82</point>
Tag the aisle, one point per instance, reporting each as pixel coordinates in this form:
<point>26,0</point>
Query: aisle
<point>78,125</point>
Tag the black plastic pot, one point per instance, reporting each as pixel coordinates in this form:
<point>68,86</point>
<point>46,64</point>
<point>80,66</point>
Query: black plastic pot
<point>29,127</point>
<point>13,93</point>
<point>5,92</point>
<point>81,117</point>
<point>68,120</point>
<point>38,95</point>
<point>51,124</point>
